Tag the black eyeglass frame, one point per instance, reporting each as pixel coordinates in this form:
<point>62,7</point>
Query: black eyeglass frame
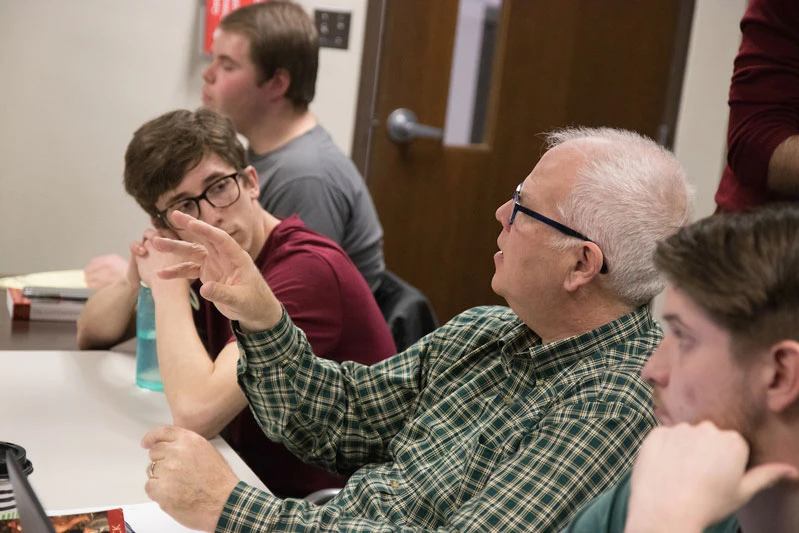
<point>162,215</point>
<point>566,230</point>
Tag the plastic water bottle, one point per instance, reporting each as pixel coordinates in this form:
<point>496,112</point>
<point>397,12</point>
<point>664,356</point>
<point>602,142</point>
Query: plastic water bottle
<point>147,374</point>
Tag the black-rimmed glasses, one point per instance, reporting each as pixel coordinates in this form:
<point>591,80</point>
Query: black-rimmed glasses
<point>222,192</point>
<point>566,230</point>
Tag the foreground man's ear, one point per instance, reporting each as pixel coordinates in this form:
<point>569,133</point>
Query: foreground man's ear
<point>783,388</point>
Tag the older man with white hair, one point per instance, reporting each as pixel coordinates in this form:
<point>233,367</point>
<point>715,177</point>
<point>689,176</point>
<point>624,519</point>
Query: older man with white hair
<point>504,419</point>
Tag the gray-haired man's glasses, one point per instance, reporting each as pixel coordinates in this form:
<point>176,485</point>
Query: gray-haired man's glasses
<point>566,230</point>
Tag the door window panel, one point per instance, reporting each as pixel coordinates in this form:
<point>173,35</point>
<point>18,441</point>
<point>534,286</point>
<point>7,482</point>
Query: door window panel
<point>472,67</point>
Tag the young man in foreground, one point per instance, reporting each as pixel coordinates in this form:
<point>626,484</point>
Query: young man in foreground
<point>729,363</point>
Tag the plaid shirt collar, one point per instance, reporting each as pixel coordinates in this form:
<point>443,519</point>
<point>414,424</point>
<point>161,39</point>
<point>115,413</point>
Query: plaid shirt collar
<point>550,359</point>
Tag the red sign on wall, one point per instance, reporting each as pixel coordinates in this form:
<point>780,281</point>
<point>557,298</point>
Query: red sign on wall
<point>215,11</point>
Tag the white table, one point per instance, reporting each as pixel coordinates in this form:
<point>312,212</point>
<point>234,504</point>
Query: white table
<point>81,417</point>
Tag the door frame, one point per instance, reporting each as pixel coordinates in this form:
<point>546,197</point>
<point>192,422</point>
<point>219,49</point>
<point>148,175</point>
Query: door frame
<point>365,121</point>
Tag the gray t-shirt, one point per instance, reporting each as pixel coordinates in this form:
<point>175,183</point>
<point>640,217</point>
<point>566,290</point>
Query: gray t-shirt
<point>309,176</point>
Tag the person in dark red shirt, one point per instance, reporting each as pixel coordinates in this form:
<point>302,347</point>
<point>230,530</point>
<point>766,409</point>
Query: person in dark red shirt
<point>763,132</point>
<point>192,162</point>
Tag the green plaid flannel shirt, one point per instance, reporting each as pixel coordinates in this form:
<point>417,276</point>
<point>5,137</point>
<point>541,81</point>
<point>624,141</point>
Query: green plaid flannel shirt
<point>477,427</point>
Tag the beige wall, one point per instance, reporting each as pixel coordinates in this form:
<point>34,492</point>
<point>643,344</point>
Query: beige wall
<point>80,76</point>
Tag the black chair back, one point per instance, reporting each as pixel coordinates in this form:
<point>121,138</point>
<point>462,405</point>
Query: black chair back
<point>407,310</point>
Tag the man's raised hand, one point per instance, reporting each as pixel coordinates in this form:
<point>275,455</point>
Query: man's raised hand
<point>230,279</point>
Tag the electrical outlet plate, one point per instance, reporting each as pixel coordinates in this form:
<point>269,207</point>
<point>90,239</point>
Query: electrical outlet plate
<point>333,28</point>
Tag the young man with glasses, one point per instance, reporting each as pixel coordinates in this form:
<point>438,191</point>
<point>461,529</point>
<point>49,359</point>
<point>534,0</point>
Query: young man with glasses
<point>503,419</point>
<point>184,162</point>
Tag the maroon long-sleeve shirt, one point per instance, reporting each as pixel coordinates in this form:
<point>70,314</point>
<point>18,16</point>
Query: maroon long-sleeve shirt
<point>764,102</point>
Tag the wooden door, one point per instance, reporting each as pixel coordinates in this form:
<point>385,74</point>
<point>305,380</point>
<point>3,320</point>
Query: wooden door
<point>556,63</point>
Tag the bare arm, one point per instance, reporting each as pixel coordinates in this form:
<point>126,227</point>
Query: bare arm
<point>105,270</point>
<point>109,316</point>
<point>763,131</point>
<point>783,167</point>
<point>203,394</point>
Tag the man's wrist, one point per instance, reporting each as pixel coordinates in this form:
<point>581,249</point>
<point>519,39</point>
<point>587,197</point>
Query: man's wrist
<point>268,320</point>
<point>237,515</point>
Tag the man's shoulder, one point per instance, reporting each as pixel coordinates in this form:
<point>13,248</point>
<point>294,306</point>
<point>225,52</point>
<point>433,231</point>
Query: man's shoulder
<point>484,316</point>
<point>310,155</point>
<point>607,513</point>
<point>292,240</point>
<point>297,252</point>
<point>603,374</point>
<point>478,325</point>
<point>636,334</point>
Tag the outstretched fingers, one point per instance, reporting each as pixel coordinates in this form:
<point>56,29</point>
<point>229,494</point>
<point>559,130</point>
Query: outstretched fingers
<point>187,270</point>
<point>193,256</point>
<point>212,238</point>
<point>188,251</point>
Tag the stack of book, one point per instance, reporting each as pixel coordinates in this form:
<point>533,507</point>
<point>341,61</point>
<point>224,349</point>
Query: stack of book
<point>46,303</point>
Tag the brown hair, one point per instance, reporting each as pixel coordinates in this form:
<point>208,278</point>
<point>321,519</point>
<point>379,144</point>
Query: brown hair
<point>742,269</point>
<point>281,35</point>
<point>166,148</point>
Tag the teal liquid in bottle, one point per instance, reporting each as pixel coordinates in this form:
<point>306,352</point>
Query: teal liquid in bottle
<point>148,375</point>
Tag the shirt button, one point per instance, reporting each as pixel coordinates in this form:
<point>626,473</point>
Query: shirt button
<point>508,400</point>
<point>394,484</point>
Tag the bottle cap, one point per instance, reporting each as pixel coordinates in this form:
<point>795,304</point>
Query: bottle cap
<point>19,454</point>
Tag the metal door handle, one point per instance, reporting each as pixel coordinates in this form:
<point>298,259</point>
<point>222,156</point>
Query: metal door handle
<point>403,127</point>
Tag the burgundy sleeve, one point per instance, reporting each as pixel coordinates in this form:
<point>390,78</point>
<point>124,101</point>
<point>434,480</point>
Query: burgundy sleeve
<point>764,93</point>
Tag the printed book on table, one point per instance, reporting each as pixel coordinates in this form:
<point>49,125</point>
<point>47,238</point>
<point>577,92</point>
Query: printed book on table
<point>49,308</point>
<point>57,293</point>
<point>105,521</point>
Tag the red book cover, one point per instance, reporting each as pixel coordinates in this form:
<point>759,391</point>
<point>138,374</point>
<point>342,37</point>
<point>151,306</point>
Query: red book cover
<point>22,308</point>
<point>108,521</point>
<point>19,307</point>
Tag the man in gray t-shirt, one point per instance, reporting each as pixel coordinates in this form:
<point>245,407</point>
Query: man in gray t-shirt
<point>263,76</point>
<point>311,177</point>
